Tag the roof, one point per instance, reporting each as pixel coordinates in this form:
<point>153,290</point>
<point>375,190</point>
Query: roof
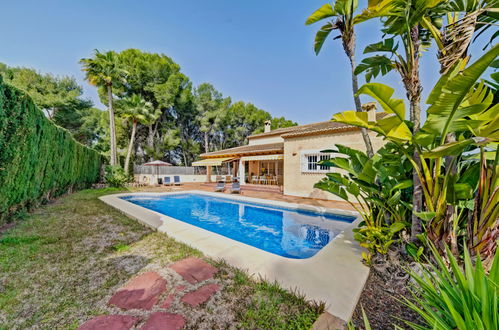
<point>247,150</point>
<point>277,131</point>
<point>312,129</point>
<point>157,163</point>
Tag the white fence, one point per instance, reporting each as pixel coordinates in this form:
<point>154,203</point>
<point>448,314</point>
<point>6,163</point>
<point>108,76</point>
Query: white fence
<point>164,170</point>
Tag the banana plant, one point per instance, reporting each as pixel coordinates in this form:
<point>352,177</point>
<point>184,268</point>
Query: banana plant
<point>378,188</point>
<point>459,105</point>
<point>340,17</point>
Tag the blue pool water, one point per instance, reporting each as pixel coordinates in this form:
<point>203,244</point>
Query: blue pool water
<point>282,231</point>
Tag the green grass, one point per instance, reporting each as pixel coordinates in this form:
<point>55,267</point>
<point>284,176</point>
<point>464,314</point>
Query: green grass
<point>59,265</point>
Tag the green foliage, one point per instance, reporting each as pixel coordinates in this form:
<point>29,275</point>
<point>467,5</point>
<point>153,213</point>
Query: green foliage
<point>50,93</point>
<point>187,120</point>
<point>464,107</point>
<point>377,239</point>
<point>116,176</point>
<point>104,69</point>
<point>59,97</point>
<point>378,188</point>
<point>38,160</point>
<point>341,15</point>
<point>414,251</point>
<point>454,298</point>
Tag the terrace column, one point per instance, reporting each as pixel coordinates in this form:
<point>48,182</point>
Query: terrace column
<point>242,175</point>
<point>208,173</point>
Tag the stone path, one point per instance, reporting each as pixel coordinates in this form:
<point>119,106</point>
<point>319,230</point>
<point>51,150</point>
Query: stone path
<point>142,292</point>
<point>194,270</point>
<point>147,291</point>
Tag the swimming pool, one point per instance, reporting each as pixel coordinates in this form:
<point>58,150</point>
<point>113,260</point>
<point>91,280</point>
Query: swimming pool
<point>286,232</point>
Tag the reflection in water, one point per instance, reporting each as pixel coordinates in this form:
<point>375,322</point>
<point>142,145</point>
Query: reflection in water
<point>286,232</point>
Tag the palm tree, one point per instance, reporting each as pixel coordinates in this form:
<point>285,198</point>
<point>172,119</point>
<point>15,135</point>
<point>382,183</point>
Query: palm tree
<point>342,19</point>
<point>409,22</point>
<point>140,111</point>
<point>103,70</point>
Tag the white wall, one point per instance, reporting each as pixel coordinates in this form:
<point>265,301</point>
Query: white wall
<point>150,179</point>
<point>301,183</point>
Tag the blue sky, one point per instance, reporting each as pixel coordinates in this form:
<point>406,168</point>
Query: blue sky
<point>257,51</point>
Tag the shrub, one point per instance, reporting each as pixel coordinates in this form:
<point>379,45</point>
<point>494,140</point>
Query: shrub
<point>116,176</point>
<point>38,160</point>
<point>455,298</point>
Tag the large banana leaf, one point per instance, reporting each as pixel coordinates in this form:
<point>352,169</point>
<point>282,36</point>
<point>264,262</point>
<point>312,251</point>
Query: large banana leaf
<point>456,148</point>
<point>387,45</point>
<point>453,93</point>
<point>374,65</point>
<point>346,7</point>
<point>383,94</point>
<point>323,12</point>
<point>393,127</point>
<point>375,8</point>
<point>321,36</point>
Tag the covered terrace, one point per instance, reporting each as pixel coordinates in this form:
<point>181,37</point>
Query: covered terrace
<point>260,164</point>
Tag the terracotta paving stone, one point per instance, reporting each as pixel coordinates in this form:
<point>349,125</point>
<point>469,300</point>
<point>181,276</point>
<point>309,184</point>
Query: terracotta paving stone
<point>180,288</point>
<point>194,270</point>
<point>141,292</point>
<point>164,321</point>
<point>110,322</point>
<point>196,298</point>
<point>167,302</point>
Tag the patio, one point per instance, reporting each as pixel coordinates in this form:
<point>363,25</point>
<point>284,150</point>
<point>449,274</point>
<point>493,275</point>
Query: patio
<point>250,191</point>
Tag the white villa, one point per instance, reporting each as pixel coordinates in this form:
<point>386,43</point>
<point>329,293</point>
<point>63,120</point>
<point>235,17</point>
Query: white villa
<point>286,158</point>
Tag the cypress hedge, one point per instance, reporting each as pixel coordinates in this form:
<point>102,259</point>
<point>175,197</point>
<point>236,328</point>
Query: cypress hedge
<point>38,160</point>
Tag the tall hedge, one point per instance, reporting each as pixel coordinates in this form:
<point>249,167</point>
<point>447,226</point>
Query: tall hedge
<point>38,160</point>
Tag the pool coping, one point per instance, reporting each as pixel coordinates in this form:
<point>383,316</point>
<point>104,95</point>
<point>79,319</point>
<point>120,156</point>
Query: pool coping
<point>334,275</point>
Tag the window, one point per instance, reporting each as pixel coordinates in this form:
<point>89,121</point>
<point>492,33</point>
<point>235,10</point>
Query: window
<point>310,160</point>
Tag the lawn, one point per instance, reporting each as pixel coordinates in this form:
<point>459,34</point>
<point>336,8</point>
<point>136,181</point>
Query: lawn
<point>60,264</point>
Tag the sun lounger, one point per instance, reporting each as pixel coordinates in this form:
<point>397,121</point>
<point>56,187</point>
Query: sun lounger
<point>220,186</point>
<point>176,180</point>
<point>235,188</point>
<point>166,181</point>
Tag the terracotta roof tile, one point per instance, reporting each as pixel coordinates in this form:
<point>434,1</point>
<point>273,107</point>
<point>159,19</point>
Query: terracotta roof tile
<point>310,129</point>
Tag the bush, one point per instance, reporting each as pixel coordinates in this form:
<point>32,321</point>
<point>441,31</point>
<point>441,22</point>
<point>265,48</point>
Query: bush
<point>116,176</point>
<point>38,160</point>
<point>455,298</point>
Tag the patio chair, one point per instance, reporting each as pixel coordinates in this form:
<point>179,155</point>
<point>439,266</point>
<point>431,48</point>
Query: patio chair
<point>272,180</point>
<point>218,178</point>
<point>167,181</point>
<point>228,178</point>
<point>220,186</point>
<point>235,188</point>
<point>176,180</point>
<point>263,180</point>
<point>254,179</point>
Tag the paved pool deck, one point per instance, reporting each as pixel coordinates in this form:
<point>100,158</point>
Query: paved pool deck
<point>269,195</point>
<point>335,275</point>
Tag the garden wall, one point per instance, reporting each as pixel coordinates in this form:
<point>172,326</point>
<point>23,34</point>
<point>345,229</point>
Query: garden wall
<point>38,160</point>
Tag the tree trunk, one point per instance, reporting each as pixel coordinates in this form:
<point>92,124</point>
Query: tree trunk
<point>450,212</point>
<point>414,90</point>
<point>130,146</point>
<point>150,137</point>
<point>358,107</point>
<point>417,197</point>
<point>112,127</point>
<point>206,145</point>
